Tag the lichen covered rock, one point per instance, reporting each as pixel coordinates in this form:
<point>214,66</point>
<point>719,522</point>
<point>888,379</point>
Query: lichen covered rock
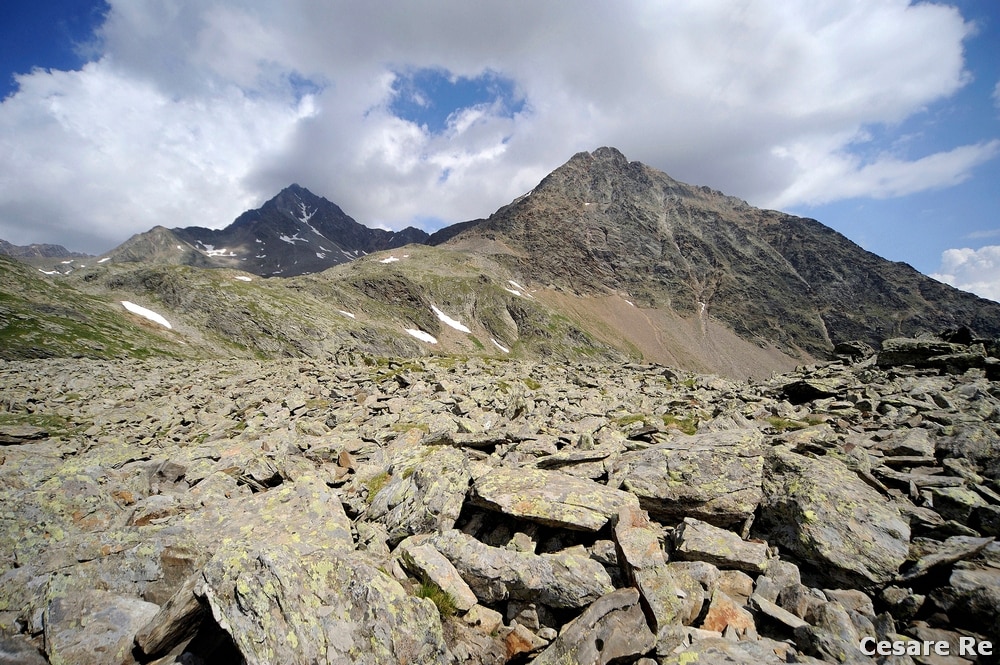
<point>821,511</point>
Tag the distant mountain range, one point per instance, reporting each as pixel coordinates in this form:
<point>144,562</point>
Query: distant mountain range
<point>37,251</point>
<point>605,258</point>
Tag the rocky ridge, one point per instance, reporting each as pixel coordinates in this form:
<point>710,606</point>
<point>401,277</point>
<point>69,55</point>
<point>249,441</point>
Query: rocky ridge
<point>36,250</point>
<point>602,223</point>
<point>359,509</point>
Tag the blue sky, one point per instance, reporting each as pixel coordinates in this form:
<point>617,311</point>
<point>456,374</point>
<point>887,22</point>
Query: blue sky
<point>881,119</point>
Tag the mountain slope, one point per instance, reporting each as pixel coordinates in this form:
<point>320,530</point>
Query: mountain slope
<point>602,224</point>
<point>605,259</point>
<point>41,317</point>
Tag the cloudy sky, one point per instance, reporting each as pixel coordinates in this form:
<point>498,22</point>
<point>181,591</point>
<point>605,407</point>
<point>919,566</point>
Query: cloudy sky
<point>880,118</point>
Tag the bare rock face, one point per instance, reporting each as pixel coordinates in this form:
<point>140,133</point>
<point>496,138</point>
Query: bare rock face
<point>601,222</point>
<point>820,510</point>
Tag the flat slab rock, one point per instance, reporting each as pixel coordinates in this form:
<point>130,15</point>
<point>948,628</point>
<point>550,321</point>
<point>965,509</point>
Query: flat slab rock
<point>699,541</point>
<point>715,477</point>
<point>13,434</point>
<point>549,497</point>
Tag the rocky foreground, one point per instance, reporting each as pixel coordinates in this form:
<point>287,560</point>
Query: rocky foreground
<point>360,510</point>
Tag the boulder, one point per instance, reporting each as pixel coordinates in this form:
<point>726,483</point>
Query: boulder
<point>613,629</point>
<point>18,650</point>
<point>283,606</point>
<point>920,353</point>
<point>425,491</point>
<point>721,651</point>
<point>177,620</point>
<point>954,549</point>
<point>644,565</point>
<point>427,562</point>
<point>724,612</point>
<point>94,627</point>
<point>700,541</point>
<point>568,578</point>
<point>821,511</point>
<point>548,497</point>
<point>714,477</point>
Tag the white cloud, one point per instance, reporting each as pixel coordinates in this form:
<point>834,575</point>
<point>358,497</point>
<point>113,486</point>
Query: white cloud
<point>193,113</point>
<point>973,270</point>
<point>840,175</point>
<point>95,154</point>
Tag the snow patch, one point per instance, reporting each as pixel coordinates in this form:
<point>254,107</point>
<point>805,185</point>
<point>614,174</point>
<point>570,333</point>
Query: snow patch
<point>702,311</point>
<point>306,216</point>
<point>391,259</point>
<point>347,314</point>
<point>320,255</point>
<point>243,278</point>
<point>180,247</point>
<point>66,263</point>
<point>499,345</point>
<point>422,336</point>
<point>292,240</point>
<point>106,258</point>
<point>629,302</point>
<point>447,320</point>
<point>49,272</point>
<point>518,290</point>
<point>146,313</point>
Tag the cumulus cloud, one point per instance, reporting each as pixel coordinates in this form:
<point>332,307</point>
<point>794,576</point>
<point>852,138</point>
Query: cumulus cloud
<point>973,270</point>
<point>199,109</point>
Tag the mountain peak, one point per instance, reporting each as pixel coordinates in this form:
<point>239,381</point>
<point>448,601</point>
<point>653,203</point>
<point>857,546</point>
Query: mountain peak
<point>609,154</point>
<point>293,233</point>
<point>601,224</point>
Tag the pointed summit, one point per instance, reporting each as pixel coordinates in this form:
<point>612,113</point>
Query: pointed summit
<point>294,233</point>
